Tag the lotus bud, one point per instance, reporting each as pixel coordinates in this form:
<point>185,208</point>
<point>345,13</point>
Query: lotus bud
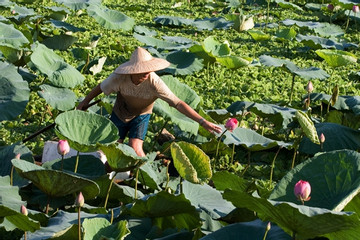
<point>309,87</point>
<point>79,201</point>
<point>355,8</point>
<point>268,226</point>
<point>13,12</point>
<point>330,7</point>
<point>302,190</point>
<point>322,138</point>
<point>23,210</point>
<point>63,147</point>
<point>18,156</point>
<point>231,124</point>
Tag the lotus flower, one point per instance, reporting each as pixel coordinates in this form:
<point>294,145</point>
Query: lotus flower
<point>330,7</point>
<point>322,138</point>
<point>302,190</point>
<point>23,210</point>
<point>309,87</point>
<point>231,124</point>
<point>63,147</point>
<point>355,8</point>
<point>79,201</point>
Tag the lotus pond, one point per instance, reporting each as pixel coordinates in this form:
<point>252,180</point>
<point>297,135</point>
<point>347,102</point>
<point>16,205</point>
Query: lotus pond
<point>286,70</point>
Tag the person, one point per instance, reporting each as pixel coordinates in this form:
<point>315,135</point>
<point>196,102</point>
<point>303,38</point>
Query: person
<point>137,87</point>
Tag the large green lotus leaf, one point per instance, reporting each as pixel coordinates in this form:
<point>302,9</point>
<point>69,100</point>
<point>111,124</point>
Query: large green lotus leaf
<point>9,195</point>
<point>307,126</point>
<point>7,153</point>
<point>167,211</point>
<point>18,219</point>
<point>144,31</point>
<point>191,162</point>
<point>286,34</point>
<point>78,4</point>
<point>58,98</point>
<point>58,13</point>
<point>280,116</point>
<point>60,42</point>
<point>214,48</point>
<point>62,221</point>
<point>299,219</point>
<point>201,53</point>
<point>248,231</point>
<point>153,174</point>
<point>60,73</point>
<point>251,140</point>
<point>172,21</point>
<point>353,102</point>
<point>5,3</point>
<point>207,198</point>
<point>183,63</point>
<point>11,37</point>
<point>337,137</point>
<point>186,94</point>
<point>66,26</point>
<point>334,178</point>
<point>121,157</point>
<point>118,193</point>
<point>288,5</point>
<point>258,35</point>
<point>160,44</point>
<point>84,130</point>
<point>233,62</point>
<point>98,228</point>
<point>88,165</point>
<point>14,92</point>
<point>110,19</point>
<point>55,183</point>
<point>329,30</point>
<point>212,23</point>
<point>316,42</point>
<point>336,58</point>
<point>224,180</point>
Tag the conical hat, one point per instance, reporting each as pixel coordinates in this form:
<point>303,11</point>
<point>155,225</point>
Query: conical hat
<point>141,61</point>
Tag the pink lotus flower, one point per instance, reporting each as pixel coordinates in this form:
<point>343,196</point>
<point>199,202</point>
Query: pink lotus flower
<point>330,7</point>
<point>355,8</point>
<point>302,190</point>
<point>79,201</point>
<point>322,138</point>
<point>23,210</point>
<point>231,124</point>
<point>309,87</point>
<point>18,156</point>
<point>63,147</point>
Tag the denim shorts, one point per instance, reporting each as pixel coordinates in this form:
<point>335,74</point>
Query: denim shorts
<point>136,128</point>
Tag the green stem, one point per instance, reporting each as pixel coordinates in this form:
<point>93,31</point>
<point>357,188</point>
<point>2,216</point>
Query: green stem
<point>79,224</point>
<point>108,191</point>
<point>167,176</point>
<point>62,162</point>
<point>273,165</point>
<point>292,88</point>
<point>112,216</point>
<point>157,135</point>
<point>347,21</point>
<point>217,148</point>
<point>77,162</point>
<point>268,13</point>
<point>248,165</point>
<point>24,235</point>
<point>12,176</point>
<point>136,182</point>
<point>47,205</point>
<point>232,154</point>
<point>266,232</point>
<point>293,159</point>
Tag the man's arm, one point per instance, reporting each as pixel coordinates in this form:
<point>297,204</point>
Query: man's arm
<point>91,95</point>
<point>185,109</point>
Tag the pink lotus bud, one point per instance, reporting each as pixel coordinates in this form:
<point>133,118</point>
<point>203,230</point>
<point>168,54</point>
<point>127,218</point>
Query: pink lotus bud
<point>13,12</point>
<point>302,190</point>
<point>322,138</point>
<point>355,8</point>
<point>330,7</point>
<point>23,210</point>
<point>268,226</point>
<point>309,87</point>
<point>18,156</point>
<point>79,201</point>
<point>231,124</point>
<point>63,147</point>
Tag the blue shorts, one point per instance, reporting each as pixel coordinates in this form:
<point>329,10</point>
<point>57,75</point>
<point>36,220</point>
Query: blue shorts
<point>136,128</point>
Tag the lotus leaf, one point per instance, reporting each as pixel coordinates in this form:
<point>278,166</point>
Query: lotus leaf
<point>233,62</point>
<point>167,211</point>
<point>78,4</point>
<point>60,42</point>
<point>98,228</point>
<point>110,19</point>
<point>160,44</point>
<point>55,183</point>
<point>84,130</point>
<point>18,219</point>
<point>11,37</point>
<point>298,219</point>
<point>337,137</point>
<point>14,92</point>
<point>284,4</point>
<point>316,42</point>
<point>66,26</point>
<point>259,35</point>
<point>336,58</point>
<point>183,63</point>
<point>286,34</point>
<point>334,178</point>
<point>212,23</point>
<point>215,48</point>
<point>58,98</point>
<point>145,31</point>
<point>173,21</point>
<point>191,162</point>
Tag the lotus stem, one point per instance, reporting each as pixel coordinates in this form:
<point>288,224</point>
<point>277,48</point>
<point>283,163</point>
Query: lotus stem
<point>217,148</point>
<point>232,154</point>
<point>79,223</point>
<point>47,205</point>
<point>294,236</point>
<point>268,13</point>
<point>25,235</point>
<point>248,165</point>
<point>265,234</point>
<point>77,161</point>
<point>12,176</point>
<point>273,165</point>
<point>62,163</point>
<point>292,88</point>
<point>158,134</point>
<point>347,21</point>
<point>293,159</point>
<point>167,175</point>
<point>136,182</point>
<point>181,186</point>
<point>112,216</point>
<point>108,191</point>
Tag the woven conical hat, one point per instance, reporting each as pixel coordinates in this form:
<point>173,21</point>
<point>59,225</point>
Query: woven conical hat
<point>141,61</point>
